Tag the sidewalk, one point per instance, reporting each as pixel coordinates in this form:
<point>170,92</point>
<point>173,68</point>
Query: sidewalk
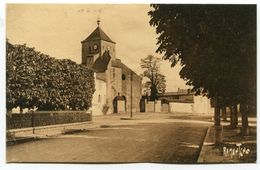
<point>14,136</point>
<point>234,148</point>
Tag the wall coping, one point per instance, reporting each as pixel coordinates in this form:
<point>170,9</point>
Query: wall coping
<point>47,127</point>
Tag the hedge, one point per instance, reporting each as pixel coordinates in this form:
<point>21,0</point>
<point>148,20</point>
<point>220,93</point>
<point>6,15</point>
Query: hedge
<point>36,80</point>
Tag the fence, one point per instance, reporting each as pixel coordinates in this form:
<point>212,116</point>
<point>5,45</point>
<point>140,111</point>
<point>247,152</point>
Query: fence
<point>44,118</point>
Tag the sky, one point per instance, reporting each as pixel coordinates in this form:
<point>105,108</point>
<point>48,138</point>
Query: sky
<point>58,29</point>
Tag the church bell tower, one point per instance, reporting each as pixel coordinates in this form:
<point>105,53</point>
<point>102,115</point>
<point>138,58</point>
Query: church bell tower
<point>95,45</point>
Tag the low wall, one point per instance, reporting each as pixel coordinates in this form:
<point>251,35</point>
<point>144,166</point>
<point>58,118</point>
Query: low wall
<point>152,106</point>
<point>181,107</point>
<point>200,106</point>
<point>158,106</point>
<point>45,131</point>
<point>165,107</point>
<point>149,106</point>
<point>44,118</point>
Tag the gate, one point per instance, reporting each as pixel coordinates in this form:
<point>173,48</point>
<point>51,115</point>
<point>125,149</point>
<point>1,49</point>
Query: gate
<point>142,105</point>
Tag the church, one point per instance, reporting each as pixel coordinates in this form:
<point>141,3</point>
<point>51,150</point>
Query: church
<point>118,88</point>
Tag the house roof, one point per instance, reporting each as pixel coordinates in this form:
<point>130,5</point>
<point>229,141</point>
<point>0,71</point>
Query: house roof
<point>98,34</point>
<point>178,93</point>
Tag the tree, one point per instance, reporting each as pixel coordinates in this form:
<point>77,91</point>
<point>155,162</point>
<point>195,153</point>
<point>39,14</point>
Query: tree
<point>157,82</point>
<point>35,80</point>
<point>216,45</point>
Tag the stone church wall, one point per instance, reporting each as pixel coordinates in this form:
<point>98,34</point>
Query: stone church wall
<point>108,46</point>
<point>114,85</point>
<point>99,97</point>
<point>136,89</point>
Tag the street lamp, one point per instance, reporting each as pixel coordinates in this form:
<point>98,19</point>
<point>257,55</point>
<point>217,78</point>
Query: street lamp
<point>131,95</point>
<point>131,113</point>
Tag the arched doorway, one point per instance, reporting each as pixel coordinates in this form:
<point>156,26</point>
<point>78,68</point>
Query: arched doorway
<point>119,104</point>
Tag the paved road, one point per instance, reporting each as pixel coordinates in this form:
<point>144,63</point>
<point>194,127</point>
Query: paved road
<point>176,142</point>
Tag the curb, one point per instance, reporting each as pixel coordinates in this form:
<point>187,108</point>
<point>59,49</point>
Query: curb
<point>203,147</point>
<point>27,134</point>
<point>21,140</point>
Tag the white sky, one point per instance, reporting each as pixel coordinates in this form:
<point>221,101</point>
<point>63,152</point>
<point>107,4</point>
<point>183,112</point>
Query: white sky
<point>57,30</point>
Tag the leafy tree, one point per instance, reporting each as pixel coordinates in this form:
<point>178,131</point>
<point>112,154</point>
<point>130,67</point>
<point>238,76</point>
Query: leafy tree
<point>35,80</point>
<point>216,45</point>
<point>157,82</point>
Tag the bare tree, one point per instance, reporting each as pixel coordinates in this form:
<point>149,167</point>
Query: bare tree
<point>157,82</point>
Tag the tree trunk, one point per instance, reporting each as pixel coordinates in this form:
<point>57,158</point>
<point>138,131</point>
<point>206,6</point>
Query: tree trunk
<point>217,112</point>
<point>218,135</point>
<point>224,113</point>
<point>235,115</point>
<point>153,92</point>
<point>232,116</point>
<point>21,110</point>
<point>217,127</point>
<point>243,110</point>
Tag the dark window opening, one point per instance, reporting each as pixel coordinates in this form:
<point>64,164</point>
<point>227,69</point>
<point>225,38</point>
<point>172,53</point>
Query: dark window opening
<point>123,76</point>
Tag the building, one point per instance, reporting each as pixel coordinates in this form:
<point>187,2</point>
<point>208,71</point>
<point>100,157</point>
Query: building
<point>182,96</point>
<point>114,81</point>
<point>184,101</point>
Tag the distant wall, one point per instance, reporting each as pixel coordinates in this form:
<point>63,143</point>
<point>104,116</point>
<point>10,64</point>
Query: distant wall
<point>181,107</point>
<point>152,106</point>
<point>165,108</point>
<point>149,106</point>
<point>44,118</point>
<point>201,105</point>
<point>158,106</point>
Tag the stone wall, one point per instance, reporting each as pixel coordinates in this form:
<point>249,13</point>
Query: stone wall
<point>44,118</point>
<point>165,108</point>
<point>111,47</point>
<point>202,105</point>
<point>177,107</point>
<point>153,106</point>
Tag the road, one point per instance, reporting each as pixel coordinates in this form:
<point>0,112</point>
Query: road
<point>149,141</point>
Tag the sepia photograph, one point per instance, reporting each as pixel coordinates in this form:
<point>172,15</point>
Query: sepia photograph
<point>131,83</point>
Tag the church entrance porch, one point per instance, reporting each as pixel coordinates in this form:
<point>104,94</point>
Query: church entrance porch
<point>119,104</point>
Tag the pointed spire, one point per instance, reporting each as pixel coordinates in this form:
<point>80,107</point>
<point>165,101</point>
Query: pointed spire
<point>98,22</point>
<point>98,34</point>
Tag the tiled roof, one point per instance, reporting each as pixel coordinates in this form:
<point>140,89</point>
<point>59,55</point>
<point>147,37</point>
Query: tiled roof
<point>129,70</point>
<point>98,34</point>
<point>174,93</point>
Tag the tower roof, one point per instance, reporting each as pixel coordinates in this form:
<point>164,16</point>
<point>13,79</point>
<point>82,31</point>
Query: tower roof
<point>98,34</point>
